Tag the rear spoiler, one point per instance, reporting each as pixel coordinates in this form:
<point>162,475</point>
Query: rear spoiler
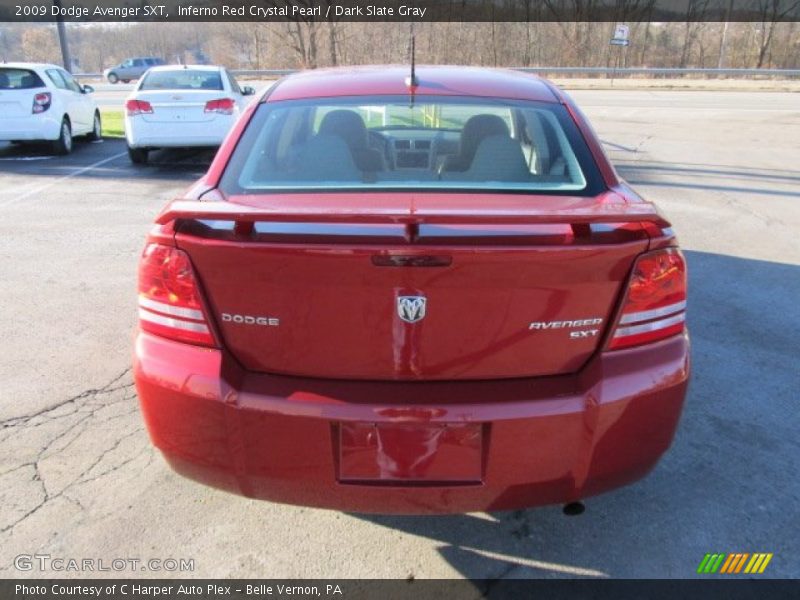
<point>435,212</point>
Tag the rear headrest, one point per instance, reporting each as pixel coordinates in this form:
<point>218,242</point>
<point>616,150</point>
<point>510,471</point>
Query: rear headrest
<point>348,125</point>
<point>27,81</point>
<point>4,80</point>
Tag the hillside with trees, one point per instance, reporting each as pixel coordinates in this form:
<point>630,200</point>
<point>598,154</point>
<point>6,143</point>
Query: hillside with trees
<point>311,44</point>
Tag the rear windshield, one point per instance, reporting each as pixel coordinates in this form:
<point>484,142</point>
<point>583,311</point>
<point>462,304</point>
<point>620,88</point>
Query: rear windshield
<point>19,79</point>
<point>182,79</point>
<point>393,143</point>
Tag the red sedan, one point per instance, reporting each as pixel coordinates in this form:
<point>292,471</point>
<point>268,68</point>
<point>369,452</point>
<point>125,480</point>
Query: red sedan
<point>412,295</point>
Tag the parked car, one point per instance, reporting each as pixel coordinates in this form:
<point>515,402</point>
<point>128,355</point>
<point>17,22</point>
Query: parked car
<point>131,68</point>
<point>182,106</point>
<point>405,295</point>
<point>42,102</point>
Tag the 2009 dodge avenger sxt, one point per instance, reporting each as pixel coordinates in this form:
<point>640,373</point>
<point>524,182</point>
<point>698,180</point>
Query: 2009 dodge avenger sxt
<point>412,295</point>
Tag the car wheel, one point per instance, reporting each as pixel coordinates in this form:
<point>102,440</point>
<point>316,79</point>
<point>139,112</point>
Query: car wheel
<point>126,81</point>
<point>97,129</point>
<point>63,145</point>
<point>112,78</point>
<point>138,156</point>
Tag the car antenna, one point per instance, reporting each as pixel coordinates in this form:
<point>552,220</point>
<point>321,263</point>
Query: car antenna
<point>411,81</point>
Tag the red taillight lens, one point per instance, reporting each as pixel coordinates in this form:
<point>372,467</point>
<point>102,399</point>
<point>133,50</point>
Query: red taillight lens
<point>223,106</point>
<point>655,302</point>
<point>41,102</point>
<point>138,107</point>
<point>169,298</point>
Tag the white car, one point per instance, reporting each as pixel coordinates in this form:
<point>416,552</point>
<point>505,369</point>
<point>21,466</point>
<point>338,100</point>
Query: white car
<point>180,107</point>
<point>42,102</point>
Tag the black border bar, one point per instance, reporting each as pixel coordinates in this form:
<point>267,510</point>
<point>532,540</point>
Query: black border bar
<point>727,588</point>
<point>761,11</point>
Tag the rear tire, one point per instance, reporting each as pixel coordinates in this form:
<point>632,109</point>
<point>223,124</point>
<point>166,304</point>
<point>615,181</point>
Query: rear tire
<point>126,81</point>
<point>97,130</point>
<point>63,145</point>
<point>138,156</point>
<point>112,78</point>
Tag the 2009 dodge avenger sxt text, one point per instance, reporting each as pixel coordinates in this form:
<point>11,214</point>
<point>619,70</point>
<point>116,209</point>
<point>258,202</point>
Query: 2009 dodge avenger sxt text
<point>412,295</point>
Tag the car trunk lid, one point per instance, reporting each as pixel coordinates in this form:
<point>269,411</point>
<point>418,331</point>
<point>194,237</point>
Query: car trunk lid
<point>409,286</point>
<point>179,106</point>
<point>15,103</point>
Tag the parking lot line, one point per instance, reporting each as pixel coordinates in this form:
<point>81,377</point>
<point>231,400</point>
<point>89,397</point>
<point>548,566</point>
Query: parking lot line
<point>49,184</point>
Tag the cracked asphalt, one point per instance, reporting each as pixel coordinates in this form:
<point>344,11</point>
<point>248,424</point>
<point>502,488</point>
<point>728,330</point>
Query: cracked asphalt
<point>79,479</point>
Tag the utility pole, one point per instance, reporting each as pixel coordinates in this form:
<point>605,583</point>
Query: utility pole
<point>62,38</point>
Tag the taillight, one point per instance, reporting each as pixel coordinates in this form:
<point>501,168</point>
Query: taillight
<point>223,106</point>
<point>655,302</point>
<point>138,107</point>
<point>169,298</point>
<point>41,102</point>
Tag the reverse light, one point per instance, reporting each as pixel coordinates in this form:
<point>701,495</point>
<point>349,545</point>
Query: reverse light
<point>223,106</point>
<point>655,301</point>
<point>138,107</point>
<point>41,102</point>
<point>169,297</point>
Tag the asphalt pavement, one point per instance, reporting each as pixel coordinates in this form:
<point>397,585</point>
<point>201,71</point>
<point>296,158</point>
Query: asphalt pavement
<point>79,478</point>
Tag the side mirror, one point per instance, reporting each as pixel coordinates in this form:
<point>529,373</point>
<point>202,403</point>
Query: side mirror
<point>87,89</point>
<point>248,91</point>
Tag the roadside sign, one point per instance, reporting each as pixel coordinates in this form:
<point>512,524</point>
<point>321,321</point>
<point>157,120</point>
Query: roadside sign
<point>621,33</point>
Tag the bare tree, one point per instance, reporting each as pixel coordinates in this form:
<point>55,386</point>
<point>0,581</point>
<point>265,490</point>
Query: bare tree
<point>300,31</point>
<point>770,13</point>
<point>695,12</point>
<point>40,44</point>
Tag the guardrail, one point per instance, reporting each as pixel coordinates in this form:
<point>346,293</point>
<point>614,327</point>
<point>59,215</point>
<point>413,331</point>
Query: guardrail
<point>607,71</point>
<point>782,73</point>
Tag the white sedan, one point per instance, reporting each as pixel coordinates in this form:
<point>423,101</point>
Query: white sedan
<point>42,102</point>
<point>182,106</point>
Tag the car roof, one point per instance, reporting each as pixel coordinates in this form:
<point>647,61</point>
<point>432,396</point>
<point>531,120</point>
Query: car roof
<point>28,65</point>
<point>187,67</point>
<point>432,80</point>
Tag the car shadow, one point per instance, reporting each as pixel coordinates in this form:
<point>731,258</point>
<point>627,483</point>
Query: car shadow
<point>181,158</point>
<point>722,487</point>
<point>38,150</point>
<point>768,182</point>
<point>105,159</point>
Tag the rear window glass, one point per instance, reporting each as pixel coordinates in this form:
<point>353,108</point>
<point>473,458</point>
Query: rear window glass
<point>182,79</point>
<point>19,79</point>
<point>433,142</point>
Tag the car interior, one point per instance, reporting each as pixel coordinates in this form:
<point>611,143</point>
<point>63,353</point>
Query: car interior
<point>396,146</point>
<point>18,79</point>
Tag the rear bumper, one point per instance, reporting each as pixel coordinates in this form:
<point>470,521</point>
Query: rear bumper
<point>143,134</point>
<point>542,441</point>
<point>30,129</point>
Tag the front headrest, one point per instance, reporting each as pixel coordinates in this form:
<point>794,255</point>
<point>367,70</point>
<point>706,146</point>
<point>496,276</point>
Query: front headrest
<point>348,125</point>
<point>478,128</point>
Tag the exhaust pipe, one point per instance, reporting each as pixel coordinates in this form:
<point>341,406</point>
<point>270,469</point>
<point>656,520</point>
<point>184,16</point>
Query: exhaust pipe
<point>574,509</point>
